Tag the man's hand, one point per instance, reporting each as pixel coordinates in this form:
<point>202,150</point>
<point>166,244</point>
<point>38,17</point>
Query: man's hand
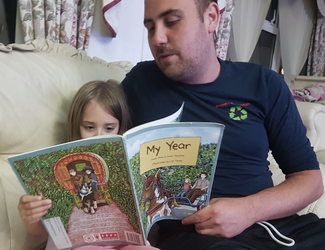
<point>224,217</point>
<point>228,217</point>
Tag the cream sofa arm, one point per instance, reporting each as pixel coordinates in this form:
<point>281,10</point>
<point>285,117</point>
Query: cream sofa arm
<point>321,156</point>
<point>318,206</point>
<point>313,117</point>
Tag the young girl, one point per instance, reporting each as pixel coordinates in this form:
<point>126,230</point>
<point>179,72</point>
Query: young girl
<point>98,108</point>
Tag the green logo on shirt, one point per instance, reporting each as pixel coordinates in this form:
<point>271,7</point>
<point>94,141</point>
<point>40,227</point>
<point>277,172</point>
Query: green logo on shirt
<point>238,113</point>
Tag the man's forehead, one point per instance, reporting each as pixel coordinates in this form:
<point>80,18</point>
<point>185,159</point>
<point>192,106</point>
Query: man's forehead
<point>154,8</point>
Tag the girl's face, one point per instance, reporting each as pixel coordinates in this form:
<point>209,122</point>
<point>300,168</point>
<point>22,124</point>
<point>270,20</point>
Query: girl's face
<point>97,121</point>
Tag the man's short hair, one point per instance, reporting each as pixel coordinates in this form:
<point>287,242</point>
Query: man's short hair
<point>202,5</point>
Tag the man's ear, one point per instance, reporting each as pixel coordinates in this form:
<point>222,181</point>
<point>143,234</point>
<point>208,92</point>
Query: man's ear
<point>212,16</point>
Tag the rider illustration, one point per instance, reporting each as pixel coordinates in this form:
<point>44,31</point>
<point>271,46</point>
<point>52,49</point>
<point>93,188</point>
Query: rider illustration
<point>75,179</point>
<point>186,187</point>
<point>90,173</point>
<point>199,188</point>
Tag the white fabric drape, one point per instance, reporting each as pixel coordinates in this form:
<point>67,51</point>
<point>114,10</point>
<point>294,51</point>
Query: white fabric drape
<point>111,14</point>
<point>247,23</point>
<point>295,24</point>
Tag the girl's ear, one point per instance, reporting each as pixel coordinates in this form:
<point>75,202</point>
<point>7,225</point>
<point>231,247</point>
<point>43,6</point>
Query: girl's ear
<point>212,16</point>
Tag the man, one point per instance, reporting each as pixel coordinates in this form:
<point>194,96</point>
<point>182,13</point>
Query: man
<point>199,188</point>
<point>259,113</point>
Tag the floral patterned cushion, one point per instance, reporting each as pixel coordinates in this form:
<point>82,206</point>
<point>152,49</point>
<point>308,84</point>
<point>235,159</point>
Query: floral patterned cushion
<point>311,93</point>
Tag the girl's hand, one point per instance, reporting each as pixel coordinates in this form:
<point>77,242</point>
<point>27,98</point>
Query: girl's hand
<point>32,208</point>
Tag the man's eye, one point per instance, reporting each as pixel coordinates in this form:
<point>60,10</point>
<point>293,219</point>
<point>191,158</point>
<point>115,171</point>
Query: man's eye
<point>170,23</point>
<point>150,28</point>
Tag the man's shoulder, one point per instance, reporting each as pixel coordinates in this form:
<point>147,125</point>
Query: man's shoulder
<point>245,66</point>
<point>144,66</point>
<point>255,74</point>
<point>142,72</point>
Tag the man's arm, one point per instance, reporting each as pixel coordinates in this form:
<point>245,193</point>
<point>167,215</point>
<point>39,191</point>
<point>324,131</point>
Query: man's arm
<point>228,217</point>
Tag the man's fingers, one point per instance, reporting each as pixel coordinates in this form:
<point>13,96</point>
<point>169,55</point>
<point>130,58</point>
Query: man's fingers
<point>198,217</point>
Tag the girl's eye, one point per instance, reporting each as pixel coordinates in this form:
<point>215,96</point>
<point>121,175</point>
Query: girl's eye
<point>109,129</point>
<point>88,127</point>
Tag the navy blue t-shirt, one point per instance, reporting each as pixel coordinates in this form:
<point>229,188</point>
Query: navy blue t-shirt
<point>254,104</point>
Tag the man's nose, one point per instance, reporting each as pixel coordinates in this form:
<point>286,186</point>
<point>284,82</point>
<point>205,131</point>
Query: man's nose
<point>160,37</point>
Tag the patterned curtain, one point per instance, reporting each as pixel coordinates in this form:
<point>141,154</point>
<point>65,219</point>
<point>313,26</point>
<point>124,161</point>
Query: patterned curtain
<point>316,55</point>
<point>61,21</point>
<point>223,31</point>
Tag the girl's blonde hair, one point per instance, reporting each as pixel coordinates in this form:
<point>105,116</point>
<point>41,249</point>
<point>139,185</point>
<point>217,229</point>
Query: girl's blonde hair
<point>109,95</point>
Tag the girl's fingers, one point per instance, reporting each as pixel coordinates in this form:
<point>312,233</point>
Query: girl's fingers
<point>32,208</point>
<point>29,198</point>
<point>27,204</point>
<point>33,215</point>
<point>33,218</point>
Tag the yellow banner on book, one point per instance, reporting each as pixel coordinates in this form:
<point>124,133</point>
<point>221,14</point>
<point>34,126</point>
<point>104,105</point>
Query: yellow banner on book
<point>181,151</point>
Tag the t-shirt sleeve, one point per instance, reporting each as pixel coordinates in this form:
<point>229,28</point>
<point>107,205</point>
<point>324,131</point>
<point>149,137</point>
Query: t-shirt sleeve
<point>286,133</point>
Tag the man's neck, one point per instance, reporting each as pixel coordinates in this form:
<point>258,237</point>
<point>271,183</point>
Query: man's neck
<point>209,73</point>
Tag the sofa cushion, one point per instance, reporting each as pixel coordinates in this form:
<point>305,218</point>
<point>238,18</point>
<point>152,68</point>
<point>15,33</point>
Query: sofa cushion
<point>38,82</point>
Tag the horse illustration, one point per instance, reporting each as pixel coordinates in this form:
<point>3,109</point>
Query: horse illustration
<point>156,202</point>
<point>87,195</point>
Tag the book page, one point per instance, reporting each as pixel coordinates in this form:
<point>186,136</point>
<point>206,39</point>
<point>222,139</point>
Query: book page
<point>176,117</point>
<point>89,185</point>
<point>173,168</point>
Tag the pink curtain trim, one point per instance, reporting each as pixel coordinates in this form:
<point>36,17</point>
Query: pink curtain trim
<point>106,8</point>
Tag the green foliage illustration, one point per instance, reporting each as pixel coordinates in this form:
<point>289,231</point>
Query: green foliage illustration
<point>37,174</point>
<point>173,177</point>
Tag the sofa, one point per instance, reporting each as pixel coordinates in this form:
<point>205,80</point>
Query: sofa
<point>37,84</point>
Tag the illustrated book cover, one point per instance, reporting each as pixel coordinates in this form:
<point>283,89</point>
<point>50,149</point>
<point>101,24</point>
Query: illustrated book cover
<point>112,189</point>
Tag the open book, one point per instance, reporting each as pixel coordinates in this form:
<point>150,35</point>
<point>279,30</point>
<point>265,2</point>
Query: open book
<point>112,189</point>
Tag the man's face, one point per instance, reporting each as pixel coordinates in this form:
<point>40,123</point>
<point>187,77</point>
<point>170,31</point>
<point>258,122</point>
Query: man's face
<point>177,37</point>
